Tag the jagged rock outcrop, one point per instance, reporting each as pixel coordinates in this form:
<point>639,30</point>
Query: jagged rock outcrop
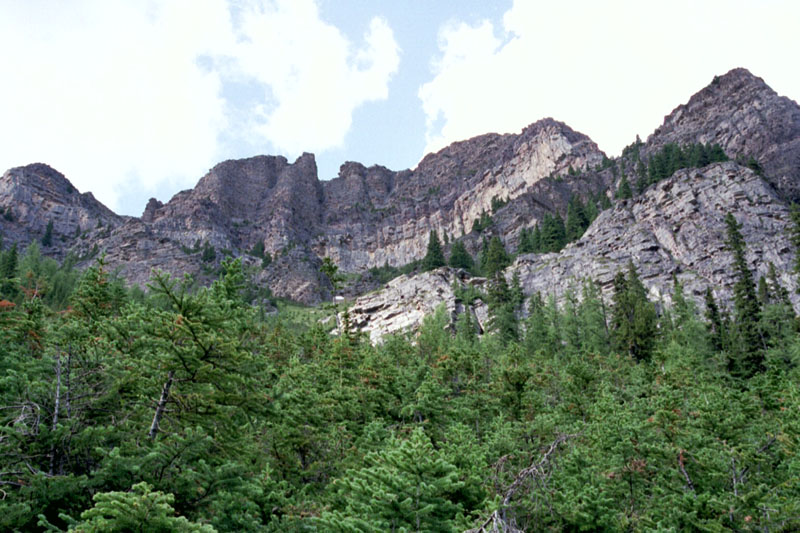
<point>375,217</point>
<point>676,228</point>
<point>405,301</point>
<point>748,119</point>
<point>34,195</point>
<point>370,217</point>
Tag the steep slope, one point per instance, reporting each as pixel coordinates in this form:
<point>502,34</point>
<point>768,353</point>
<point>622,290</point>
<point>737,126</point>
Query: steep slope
<point>748,119</point>
<point>370,217</point>
<point>676,228</point>
<point>366,217</point>
<point>35,195</point>
<point>375,217</point>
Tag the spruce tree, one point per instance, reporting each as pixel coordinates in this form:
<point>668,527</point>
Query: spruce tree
<point>633,316</point>
<point>748,358</point>
<point>409,486</point>
<point>577,221</point>
<point>716,330</point>
<point>47,238</point>
<point>496,257</point>
<point>435,256</point>
<point>624,190</point>
<point>459,256</point>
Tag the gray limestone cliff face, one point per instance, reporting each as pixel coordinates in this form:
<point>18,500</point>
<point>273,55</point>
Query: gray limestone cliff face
<point>676,228</point>
<point>376,217</point>
<point>372,216</point>
<point>747,118</point>
<point>35,195</point>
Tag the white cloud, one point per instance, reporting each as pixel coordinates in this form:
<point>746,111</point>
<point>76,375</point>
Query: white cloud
<point>315,75</point>
<point>608,69</point>
<point>112,92</point>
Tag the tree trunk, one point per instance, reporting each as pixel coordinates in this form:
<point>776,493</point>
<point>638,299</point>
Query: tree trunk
<point>55,410</point>
<point>162,404</point>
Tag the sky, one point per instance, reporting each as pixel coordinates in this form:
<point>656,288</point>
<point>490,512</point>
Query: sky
<point>133,99</point>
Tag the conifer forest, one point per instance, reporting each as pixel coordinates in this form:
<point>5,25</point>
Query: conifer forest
<point>191,408</point>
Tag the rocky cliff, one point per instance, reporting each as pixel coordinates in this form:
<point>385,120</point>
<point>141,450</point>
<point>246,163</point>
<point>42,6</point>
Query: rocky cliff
<point>33,196</point>
<point>747,118</point>
<point>675,229</point>
<point>370,217</point>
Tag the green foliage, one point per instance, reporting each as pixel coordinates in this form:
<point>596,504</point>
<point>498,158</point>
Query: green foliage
<point>47,238</point>
<point>624,190</point>
<point>269,423</point>
<point>497,204</point>
<point>331,271</point>
<point>258,250</point>
<point>460,257</point>
<point>495,257</point>
<point>141,509</point>
<point>407,487</point>
<point>483,222</point>
<point>633,316</point>
<point>434,258</point>
<point>209,253</point>
<point>673,157</point>
<point>747,355</point>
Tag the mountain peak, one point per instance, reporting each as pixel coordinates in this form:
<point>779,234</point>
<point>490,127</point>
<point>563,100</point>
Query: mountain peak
<point>748,119</point>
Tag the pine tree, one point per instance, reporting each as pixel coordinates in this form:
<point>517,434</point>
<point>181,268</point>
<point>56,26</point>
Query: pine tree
<point>140,509</point>
<point>435,256</point>
<point>407,487</point>
<point>715,324</point>
<point>496,257</point>
<point>748,358</point>
<point>633,318</point>
<point>459,256</point>
<point>624,190</point>
<point>47,238</point>
<point>577,221</point>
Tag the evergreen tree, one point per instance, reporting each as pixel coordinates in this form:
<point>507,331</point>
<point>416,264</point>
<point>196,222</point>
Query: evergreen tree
<point>577,221</point>
<point>503,303</point>
<point>633,318</point>
<point>624,190</point>
<point>9,284</point>
<point>258,249</point>
<point>715,325</point>
<point>140,509</point>
<point>552,236</point>
<point>526,245</point>
<point>459,256</point>
<point>496,257</point>
<point>434,258</point>
<point>777,290</point>
<point>47,238</point>
<point>764,295</point>
<point>407,487</point>
<point>748,358</point>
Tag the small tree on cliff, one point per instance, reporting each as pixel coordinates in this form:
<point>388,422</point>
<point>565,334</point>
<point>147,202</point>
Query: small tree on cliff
<point>435,257</point>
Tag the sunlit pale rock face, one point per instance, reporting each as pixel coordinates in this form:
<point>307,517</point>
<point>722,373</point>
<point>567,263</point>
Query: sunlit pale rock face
<point>676,228</point>
<point>373,216</point>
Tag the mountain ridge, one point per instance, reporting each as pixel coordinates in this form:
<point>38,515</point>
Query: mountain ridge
<point>369,217</point>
